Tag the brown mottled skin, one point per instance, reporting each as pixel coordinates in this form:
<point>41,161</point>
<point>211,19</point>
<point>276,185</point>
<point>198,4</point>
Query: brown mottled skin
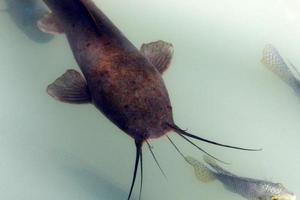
<point>123,84</point>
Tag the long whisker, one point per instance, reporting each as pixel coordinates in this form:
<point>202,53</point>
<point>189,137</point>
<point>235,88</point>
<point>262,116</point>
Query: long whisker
<point>188,140</point>
<point>156,161</point>
<point>177,149</point>
<point>179,130</point>
<point>137,158</point>
<point>141,166</point>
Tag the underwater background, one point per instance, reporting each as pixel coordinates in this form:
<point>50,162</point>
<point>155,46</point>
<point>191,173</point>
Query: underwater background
<point>218,88</point>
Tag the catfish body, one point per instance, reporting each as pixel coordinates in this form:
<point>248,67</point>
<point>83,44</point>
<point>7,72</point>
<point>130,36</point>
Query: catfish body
<point>25,14</point>
<point>122,83</point>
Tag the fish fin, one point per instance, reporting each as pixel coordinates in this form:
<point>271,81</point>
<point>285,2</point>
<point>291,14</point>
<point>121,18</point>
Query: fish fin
<point>71,87</point>
<point>202,172</point>
<point>274,62</point>
<point>211,162</point>
<point>159,53</point>
<point>50,24</point>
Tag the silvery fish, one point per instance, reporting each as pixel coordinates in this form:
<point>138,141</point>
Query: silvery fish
<point>275,63</point>
<point>252,189</point>
<point>25,14</point>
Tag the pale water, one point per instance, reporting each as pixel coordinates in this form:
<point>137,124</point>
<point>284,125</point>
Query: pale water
<point>217,85</point>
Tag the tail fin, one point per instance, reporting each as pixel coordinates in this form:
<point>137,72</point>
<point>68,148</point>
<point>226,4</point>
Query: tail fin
<point>275,63</point>
<point>202,172</point>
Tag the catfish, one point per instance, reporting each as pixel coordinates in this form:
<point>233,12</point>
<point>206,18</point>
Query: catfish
<point>123,82</point>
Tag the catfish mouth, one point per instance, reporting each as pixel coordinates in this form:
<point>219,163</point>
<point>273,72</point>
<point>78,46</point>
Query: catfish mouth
<point>164,132</point>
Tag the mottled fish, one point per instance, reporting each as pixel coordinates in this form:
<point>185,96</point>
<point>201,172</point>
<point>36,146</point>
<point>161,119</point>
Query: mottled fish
<point>252,189</point>
<point>123,82</point>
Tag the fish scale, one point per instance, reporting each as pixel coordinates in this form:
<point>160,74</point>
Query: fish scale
<point>274,62</point>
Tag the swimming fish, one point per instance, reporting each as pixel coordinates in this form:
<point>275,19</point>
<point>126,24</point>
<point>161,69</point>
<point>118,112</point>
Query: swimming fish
<point>274,62</point>
<point>25,14</point>
<point>252,189</point>
<point>123,82</point>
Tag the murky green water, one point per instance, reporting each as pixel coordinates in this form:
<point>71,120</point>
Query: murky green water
<point>218,88</point>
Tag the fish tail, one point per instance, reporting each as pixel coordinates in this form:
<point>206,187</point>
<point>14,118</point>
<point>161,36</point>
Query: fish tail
<point>275,63</point>
<point>202,172</point>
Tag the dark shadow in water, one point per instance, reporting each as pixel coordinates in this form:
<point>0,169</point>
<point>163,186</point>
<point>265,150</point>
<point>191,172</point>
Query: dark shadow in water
<point>25,14</point>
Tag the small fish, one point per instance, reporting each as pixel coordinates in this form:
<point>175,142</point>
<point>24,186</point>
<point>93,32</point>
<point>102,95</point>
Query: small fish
<point>25,14</point>
<point>249,188</point>
<point>275,63</point>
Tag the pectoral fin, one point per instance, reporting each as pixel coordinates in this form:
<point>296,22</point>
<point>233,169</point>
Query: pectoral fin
<point>201,171</point>
<point>159,54</point>
<point>50,24</point>
<point>71,87</point>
